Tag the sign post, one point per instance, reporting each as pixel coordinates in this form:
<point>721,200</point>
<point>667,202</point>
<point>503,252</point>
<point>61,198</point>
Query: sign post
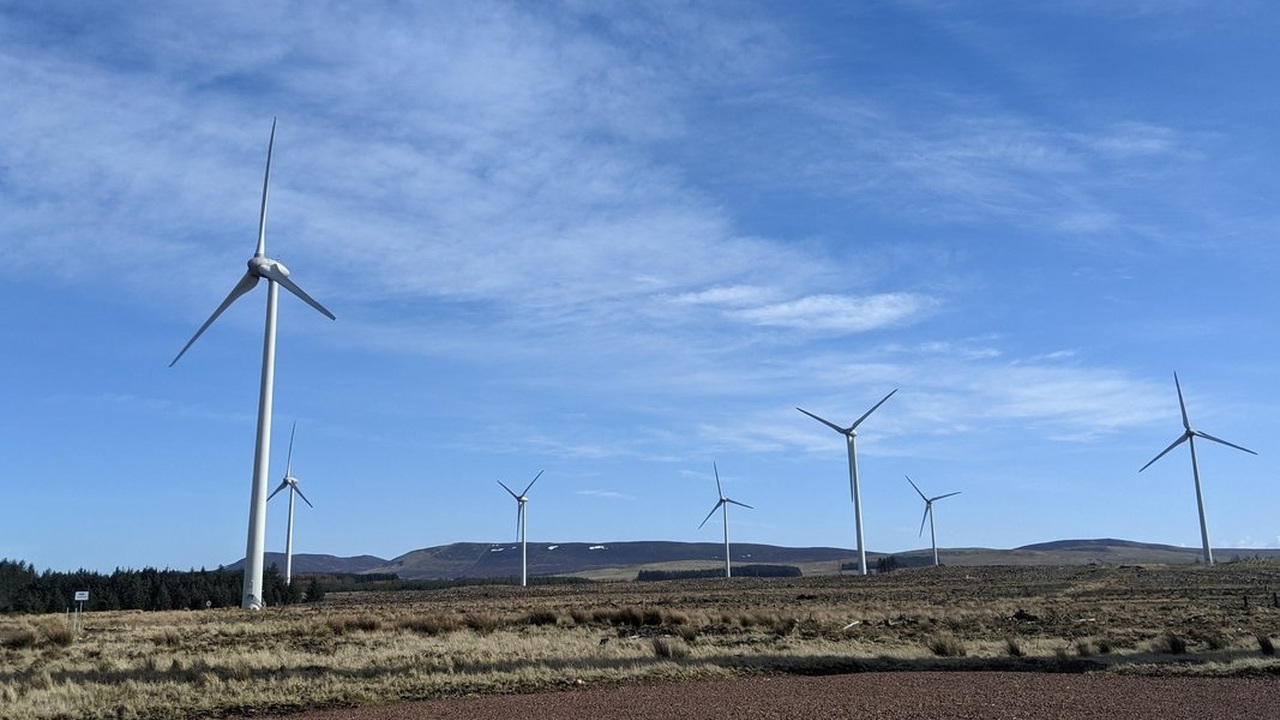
<point>81,597</point>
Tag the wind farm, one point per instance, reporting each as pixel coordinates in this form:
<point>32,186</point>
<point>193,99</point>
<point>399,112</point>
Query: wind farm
<point>612,242</point>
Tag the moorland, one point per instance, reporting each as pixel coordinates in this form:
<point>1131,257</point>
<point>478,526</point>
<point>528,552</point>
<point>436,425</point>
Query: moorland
<point>362,648</point>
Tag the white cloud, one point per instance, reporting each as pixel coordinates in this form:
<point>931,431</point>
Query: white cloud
<point>839,313</point>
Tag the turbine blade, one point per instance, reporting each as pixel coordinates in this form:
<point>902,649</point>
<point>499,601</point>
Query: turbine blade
<point>266,180</point>
<point>519,521</point>
<point>531,482</point>
<point>922,497</point>
<point>927,507</point>
<point>504,487</point>
<point>288,465</point>
<point>719,490</point>
<point>304,497</point>
<point>271,272</point>
<point>735,502</point>
<point>708,517</point>
<point>858,422</point>
<point>245,285</point>
<point>1186,423</point>
<point>1220,441</point>
<point>935,499</point>
<point>283,484</point>
<point>1183,438</point>
<point>824,421</point>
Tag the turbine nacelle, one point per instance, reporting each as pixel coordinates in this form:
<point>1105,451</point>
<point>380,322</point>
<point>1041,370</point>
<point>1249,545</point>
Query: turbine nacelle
<point>266,267</point>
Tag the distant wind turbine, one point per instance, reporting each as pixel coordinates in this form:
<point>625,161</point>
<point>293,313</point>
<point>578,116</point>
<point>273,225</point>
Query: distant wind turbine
<point>290,482</point>
<point>276,274</point>
<point>521,526</point>
<point>1188,436</point>
<point>723,505</point>
<point>851,433</point>
<point>928,514</point>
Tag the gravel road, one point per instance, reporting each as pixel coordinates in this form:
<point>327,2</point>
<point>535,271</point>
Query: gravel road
<point>867,696</point>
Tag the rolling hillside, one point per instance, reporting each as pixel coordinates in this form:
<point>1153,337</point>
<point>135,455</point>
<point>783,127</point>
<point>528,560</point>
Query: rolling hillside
<point>622,560</point>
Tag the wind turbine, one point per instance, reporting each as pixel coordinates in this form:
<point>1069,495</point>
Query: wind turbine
<point>276,275</point>
<point>851,433</point>
<point>1188,436</point>
<point>521,526</point>
<point>928,513</point>
<point>723,505</point>
<point>290,482</point>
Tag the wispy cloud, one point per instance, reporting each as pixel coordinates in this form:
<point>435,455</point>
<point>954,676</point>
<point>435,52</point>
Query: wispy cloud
<point>606,494</point>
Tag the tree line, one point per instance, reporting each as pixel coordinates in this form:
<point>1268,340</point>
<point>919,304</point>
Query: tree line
<point>24,590</point>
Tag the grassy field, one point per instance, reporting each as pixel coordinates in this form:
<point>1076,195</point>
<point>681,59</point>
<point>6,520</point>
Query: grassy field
<point>362,648</point>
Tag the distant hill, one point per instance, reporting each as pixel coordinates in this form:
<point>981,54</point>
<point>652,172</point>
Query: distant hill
<point>622,560</point>
<point>307,563</point>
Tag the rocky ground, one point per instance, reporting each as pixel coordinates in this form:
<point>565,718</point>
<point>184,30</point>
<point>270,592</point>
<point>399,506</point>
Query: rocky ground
<point>867,696</point>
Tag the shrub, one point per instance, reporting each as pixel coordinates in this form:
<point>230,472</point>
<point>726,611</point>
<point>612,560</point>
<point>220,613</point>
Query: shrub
<point>483,624</point>
<point>19,639</point>
<point>947,645</point>
<point>1215,640</point>
<point>541,616</point>
<point>59,634</point>
<point>1086,648</point>
<point>670,648</point>
<point>430,624</point>
<point>1173,644</point>
<point>1013,647</point>
<point>1267,647</point>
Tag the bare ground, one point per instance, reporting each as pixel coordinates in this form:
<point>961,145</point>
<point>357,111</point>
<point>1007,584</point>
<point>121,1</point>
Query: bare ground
<point>867,696</point>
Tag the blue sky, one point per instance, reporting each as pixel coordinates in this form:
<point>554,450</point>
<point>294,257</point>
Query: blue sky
<point>619,242</point>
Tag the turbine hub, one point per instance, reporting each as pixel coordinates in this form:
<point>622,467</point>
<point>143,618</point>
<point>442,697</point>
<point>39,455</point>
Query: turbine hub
<point>260,265</point>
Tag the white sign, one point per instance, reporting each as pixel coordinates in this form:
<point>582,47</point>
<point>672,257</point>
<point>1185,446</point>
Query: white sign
<point>82,596</point>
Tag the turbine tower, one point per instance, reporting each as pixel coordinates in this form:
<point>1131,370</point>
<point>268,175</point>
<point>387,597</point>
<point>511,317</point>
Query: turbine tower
<point>1188,436</point>
<point>928,514</point>
<point>521,527</point>
<point>290,482</point>
<point>723,506</point>
<point>276,275</point>
<point>851,433</point>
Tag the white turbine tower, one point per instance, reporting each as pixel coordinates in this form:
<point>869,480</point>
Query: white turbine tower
<point>851,433</point>
<point>1188,436</point>
<point>290,482</point>
<point>928,514</point>
<point>276,275</point>
<point>521,526</point>
<point>723,505</point>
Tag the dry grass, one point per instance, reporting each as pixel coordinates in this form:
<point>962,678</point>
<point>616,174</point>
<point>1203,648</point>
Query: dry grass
<point>361,649</point>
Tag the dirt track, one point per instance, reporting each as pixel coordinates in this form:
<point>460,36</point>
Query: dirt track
<point>868,696</point>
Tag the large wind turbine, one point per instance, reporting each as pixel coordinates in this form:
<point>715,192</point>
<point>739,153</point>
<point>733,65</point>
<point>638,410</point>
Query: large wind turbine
<point>276,275</point>
<point>290,482</point>
<point>851,433</point>
<point>928,513</point>
<point>1188,436</point>
<point>723,506</point>
<point>521,527</point>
